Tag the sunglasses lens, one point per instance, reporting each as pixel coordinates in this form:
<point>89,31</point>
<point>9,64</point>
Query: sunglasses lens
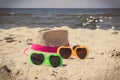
<point>55,61</point>
<point>81,53</point>
<point>65,52</point>
<point>37,59</point>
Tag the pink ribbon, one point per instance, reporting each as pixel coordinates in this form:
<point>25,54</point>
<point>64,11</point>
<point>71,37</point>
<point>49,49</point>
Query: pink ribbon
<point>42,48</point>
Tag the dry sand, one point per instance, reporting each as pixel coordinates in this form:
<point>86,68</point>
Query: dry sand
<point>103,62</point>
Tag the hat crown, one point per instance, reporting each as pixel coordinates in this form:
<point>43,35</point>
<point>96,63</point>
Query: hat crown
<point>50,37</point>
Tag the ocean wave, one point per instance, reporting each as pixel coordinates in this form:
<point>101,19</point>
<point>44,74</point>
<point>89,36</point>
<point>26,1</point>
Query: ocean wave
<point>8,14</point>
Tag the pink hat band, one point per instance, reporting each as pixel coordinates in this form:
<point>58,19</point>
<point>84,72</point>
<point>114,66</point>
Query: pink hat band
<point>42,48</point>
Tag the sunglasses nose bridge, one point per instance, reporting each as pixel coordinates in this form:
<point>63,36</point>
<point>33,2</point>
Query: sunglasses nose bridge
<point>74,53</point>
<point>46,60</point>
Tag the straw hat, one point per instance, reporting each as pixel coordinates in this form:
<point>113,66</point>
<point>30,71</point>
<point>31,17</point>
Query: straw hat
<point>48,40</point>
<point>52,37</point>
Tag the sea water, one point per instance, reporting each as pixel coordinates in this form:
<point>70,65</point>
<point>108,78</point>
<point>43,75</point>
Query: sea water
<point>57,17</point>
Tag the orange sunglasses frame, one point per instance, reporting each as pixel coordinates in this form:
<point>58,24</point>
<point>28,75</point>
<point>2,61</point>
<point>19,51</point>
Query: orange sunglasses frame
<point>73,51</point>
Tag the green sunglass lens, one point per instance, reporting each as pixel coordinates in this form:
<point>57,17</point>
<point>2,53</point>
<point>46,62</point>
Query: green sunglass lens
<point>65,52</point>
<point>81,53</point>
<point>55,61</point>
<point>37,59</point>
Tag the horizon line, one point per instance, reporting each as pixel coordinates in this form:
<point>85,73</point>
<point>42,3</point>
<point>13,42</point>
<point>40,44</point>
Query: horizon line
<point>58,8</point>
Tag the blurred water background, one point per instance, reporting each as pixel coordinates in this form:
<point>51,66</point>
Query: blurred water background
<point>51,17</point>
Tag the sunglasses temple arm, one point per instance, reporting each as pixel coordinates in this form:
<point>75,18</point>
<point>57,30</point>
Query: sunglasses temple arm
<point>24,52</point>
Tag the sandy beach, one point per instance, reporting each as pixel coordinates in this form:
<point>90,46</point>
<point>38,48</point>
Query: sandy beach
<point>103,62</point>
